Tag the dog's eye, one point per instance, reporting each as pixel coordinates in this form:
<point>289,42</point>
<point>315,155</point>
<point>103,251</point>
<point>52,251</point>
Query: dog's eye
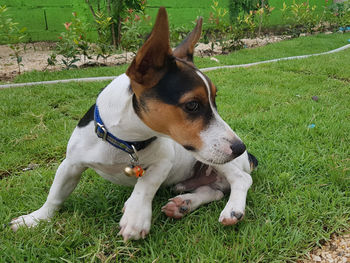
<point>192,106</point>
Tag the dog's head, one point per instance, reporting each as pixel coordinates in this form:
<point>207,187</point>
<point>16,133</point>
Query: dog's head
<point>174,98</point>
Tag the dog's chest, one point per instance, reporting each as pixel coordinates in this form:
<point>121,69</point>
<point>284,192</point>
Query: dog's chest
<point>112,166</point>
<point>117,176</point>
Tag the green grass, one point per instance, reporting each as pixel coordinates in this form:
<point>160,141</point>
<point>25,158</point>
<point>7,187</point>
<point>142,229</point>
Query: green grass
<point>300,193</point>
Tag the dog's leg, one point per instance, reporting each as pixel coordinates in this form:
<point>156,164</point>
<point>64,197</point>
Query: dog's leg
<point>66,179</point>
<point>136,220</point>
<point>186,203</point>
<point>240,181</point>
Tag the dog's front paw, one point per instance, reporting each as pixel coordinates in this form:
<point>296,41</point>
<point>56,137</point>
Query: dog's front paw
<point>136,221</point>
<point>177,207</point>
<point>30,220</point>
<point>230,217</point>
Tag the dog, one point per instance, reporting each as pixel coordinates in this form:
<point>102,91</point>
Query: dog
<point>159,124</point>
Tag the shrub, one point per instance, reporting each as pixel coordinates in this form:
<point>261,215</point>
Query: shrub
<point>103,48</point>
<point>134,28</point>
<point>12,35</point>
<point>302,17</point>
<point>237,7</point>
<point>118,11</point>
<point>217,18</point>
<point>72,43</point>
<point>339,14</point>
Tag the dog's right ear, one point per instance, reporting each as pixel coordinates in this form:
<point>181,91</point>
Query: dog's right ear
<point>152,58</point>
<point>186,49</point>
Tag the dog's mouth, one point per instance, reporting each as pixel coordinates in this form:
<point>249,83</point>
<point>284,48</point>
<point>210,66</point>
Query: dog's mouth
<point>214,161</point>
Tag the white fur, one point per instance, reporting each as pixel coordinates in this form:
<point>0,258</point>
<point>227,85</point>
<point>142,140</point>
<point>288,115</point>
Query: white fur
<point>168,163</point>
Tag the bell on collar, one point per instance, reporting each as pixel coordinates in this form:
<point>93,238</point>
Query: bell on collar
<point>135,171</point>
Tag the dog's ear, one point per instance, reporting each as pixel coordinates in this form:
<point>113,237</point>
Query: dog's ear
<point>186,49</point>
<point>152,58</point>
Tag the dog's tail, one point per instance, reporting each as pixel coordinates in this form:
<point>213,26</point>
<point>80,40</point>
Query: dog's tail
<point>252,161</point>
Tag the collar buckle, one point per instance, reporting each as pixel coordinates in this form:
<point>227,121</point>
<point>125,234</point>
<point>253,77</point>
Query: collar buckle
<point>100,134</point>
<point>134,157</point>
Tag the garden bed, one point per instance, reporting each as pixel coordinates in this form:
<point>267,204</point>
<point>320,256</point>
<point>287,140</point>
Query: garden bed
<point>35,56</point>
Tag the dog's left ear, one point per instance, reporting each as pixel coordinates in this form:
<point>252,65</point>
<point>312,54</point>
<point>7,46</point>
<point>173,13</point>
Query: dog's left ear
<point>152,58</point>
<point>186,49</point>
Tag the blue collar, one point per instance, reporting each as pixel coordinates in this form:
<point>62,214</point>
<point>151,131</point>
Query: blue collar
<point>128,147</point>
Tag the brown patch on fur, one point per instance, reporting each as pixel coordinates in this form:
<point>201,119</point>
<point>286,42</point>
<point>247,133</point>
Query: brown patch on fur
<point>199,93</point>
<point>251,166</point>
<point>172,120</point>
<point>213,90</point>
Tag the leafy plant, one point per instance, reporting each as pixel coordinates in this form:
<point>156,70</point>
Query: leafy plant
<point>67,47</point>
<point>79,27</point>
<point>133,28</point>
<point>12,35</point>
<point>103,44</point>
<point>263,14</point>
<point>118,11</point>
<point>300,17</point>
<point>72,43</point>
<point>237,7</point>
<point>177,34</point>
<point>217,16</point>
<point>245,25</point>
<point>339,14</point>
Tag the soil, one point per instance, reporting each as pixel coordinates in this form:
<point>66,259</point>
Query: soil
<point>35,57</point>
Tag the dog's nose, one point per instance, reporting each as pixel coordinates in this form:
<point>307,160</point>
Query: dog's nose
<point>238,147</point>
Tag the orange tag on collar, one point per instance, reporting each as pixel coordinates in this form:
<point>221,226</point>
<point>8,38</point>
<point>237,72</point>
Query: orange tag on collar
<point>138,171</point>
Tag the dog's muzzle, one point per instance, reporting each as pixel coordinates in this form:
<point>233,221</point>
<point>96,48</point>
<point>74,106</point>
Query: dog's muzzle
<point>238,147</point>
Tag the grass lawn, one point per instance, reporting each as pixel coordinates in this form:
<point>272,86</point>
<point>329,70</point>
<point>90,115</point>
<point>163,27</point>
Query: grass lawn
<point>300,193</point>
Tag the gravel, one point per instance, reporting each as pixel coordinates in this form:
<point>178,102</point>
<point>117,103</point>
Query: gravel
<point>336,250</point>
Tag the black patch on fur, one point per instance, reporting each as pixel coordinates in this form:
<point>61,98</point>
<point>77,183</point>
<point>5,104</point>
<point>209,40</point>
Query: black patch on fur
<point>189,148</point>
<point>174,84</point>
<point>130,90</point>
<point>88,117</point>
<point>252,159</point>
<point>190,56</point>
<point>138,105</point>
<point>140,145</point>
<point>135,105</point>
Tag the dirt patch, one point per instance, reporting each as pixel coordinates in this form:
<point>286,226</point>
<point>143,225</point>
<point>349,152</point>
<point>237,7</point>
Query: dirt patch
<point>35,55</point>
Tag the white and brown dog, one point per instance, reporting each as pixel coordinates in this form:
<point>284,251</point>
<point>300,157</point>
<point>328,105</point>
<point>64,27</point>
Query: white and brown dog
<point>160,115</point>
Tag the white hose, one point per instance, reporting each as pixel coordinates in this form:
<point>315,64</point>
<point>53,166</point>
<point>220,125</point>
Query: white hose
<point>4,86</point>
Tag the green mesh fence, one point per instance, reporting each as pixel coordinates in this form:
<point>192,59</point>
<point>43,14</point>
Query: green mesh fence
<point>44,19</point>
